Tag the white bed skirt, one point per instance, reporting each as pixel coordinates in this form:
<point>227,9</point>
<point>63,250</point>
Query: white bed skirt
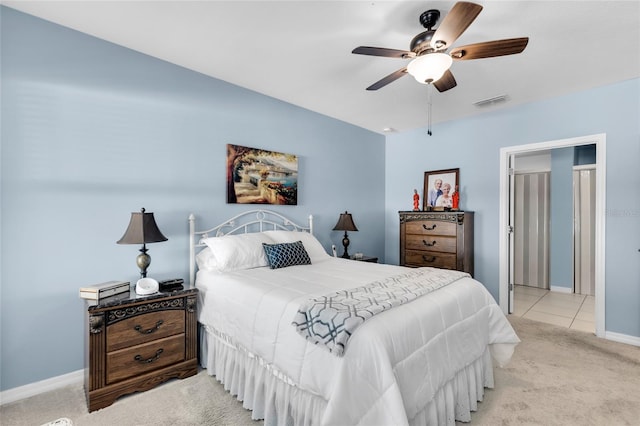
<point>273,397</point>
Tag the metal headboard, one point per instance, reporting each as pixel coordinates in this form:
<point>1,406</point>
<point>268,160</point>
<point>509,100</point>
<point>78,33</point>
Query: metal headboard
<point>250,221</point>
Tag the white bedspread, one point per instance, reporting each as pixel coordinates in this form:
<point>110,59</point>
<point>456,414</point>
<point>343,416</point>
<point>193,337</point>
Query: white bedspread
<point>395,362</point>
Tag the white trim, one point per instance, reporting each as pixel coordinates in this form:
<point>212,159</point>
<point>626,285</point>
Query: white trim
<point>32,389</point>
<point>622,338</point>
<point>585,167</point>
<point>601,179</point>
<point>531,171</point>
<point>558,289</point>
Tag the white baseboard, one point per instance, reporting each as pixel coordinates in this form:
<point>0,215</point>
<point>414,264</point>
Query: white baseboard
<point>32,389</point>
<point>622,338</point>
<point>559,289</point>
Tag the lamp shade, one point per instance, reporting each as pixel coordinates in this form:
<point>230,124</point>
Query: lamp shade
<point>430,67</point>
<point>345,223</point>
<point>142,229</point>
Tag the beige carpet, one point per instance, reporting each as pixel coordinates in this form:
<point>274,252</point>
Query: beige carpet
<point>556,377</point>
<point>559,376</point>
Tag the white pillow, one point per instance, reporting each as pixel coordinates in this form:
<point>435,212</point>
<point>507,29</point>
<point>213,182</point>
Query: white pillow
<point>311,243</point>
<point>206,260</point>
<point>242,251</point>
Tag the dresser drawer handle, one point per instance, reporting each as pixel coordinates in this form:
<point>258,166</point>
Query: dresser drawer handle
<point>148,360</point>
<point>429,244</point>
<point>428,258</point>
<point>431,228</point>
<point>150,330</point>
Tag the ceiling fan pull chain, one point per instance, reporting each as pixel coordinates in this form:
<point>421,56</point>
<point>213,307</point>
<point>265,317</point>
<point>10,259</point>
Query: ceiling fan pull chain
<point>429,107</point>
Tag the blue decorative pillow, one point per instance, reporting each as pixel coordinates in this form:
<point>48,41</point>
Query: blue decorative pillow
<point>286,254</point>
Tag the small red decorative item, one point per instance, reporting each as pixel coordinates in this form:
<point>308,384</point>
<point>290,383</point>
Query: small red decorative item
<point>456,199</point>
<point>416,200</point>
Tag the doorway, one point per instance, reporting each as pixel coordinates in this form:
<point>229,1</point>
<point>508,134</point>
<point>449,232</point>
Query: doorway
<point>506,242</point>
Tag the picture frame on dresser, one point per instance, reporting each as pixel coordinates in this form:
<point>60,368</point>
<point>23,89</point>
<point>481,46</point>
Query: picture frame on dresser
<point>434,181</point>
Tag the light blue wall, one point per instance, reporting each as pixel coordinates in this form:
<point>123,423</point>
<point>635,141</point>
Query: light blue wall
<point>473,145</point>
<point>92,132</point>
<point>561,218</point>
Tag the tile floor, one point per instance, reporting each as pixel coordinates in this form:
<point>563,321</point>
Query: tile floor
<point>569,310</point>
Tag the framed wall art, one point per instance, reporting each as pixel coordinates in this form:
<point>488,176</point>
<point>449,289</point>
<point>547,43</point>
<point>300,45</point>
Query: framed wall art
<point>439,189</point>
<point>259,176</point>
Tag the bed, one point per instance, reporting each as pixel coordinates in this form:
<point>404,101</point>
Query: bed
<point>421,361</point>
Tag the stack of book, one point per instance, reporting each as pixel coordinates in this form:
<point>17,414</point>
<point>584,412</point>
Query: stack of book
<point>104,290</point>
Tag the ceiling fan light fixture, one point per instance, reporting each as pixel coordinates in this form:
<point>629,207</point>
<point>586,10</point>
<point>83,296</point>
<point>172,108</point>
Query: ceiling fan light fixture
<point>430,67</point>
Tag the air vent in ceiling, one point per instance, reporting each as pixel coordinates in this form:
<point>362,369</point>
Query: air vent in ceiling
<point>491,101</point>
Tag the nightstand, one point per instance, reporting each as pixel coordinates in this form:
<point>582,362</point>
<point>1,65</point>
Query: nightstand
<point>134,343</point>
<point>366,259</point>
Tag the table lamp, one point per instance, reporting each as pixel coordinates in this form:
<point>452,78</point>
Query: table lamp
<point>345,223</point>
<point>142,230</point>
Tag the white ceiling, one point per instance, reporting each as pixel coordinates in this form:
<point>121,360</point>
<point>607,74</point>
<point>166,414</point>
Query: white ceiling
<point>300,51</point>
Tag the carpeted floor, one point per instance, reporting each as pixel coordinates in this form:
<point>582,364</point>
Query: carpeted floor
<point>559,376</point>
<point>556,377</point>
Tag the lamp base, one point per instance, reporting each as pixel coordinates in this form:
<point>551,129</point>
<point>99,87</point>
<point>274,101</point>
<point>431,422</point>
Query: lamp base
<point>143,261</point>
<point>345,244</point>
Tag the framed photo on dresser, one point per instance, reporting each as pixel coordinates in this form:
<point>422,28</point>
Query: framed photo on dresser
<point>439,186</point>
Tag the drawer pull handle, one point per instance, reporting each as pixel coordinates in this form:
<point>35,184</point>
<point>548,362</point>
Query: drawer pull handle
<point>429,244</point>
<point>148,360</point>
<point>150,330</point>
<point>430,228</point>
<point>428,258</point>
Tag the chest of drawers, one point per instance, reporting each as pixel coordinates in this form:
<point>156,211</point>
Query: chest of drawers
<point>437,239</point>
<point>136,343</point>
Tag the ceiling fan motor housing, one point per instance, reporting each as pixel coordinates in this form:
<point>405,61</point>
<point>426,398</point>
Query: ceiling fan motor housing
<point>422,42</point>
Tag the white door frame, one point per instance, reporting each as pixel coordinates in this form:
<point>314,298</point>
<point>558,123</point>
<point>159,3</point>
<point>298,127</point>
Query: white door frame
<point>601,173</point>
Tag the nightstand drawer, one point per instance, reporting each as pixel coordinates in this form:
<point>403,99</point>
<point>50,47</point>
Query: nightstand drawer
<point>431,243</point>
<point>430,258</point>
<point>431,227</point>
<point>144,328</point>
<point>143,358</point>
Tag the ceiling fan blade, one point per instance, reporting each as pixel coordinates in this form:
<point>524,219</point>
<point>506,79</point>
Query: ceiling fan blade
<point>388,79</point>
<point>461,15</point>
<point>382,51</point>
<point>490,49</point>
<point>446,82</point>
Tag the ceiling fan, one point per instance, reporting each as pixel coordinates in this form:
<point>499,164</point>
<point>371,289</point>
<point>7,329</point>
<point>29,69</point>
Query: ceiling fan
<point>430,63</point>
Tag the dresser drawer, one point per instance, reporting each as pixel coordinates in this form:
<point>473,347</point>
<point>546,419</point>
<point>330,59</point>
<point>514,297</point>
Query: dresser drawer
<point>143,358</point>
<point>430,227</point>
<point>430,258</point>
<point>431,243</point>
<point>144,328</point>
